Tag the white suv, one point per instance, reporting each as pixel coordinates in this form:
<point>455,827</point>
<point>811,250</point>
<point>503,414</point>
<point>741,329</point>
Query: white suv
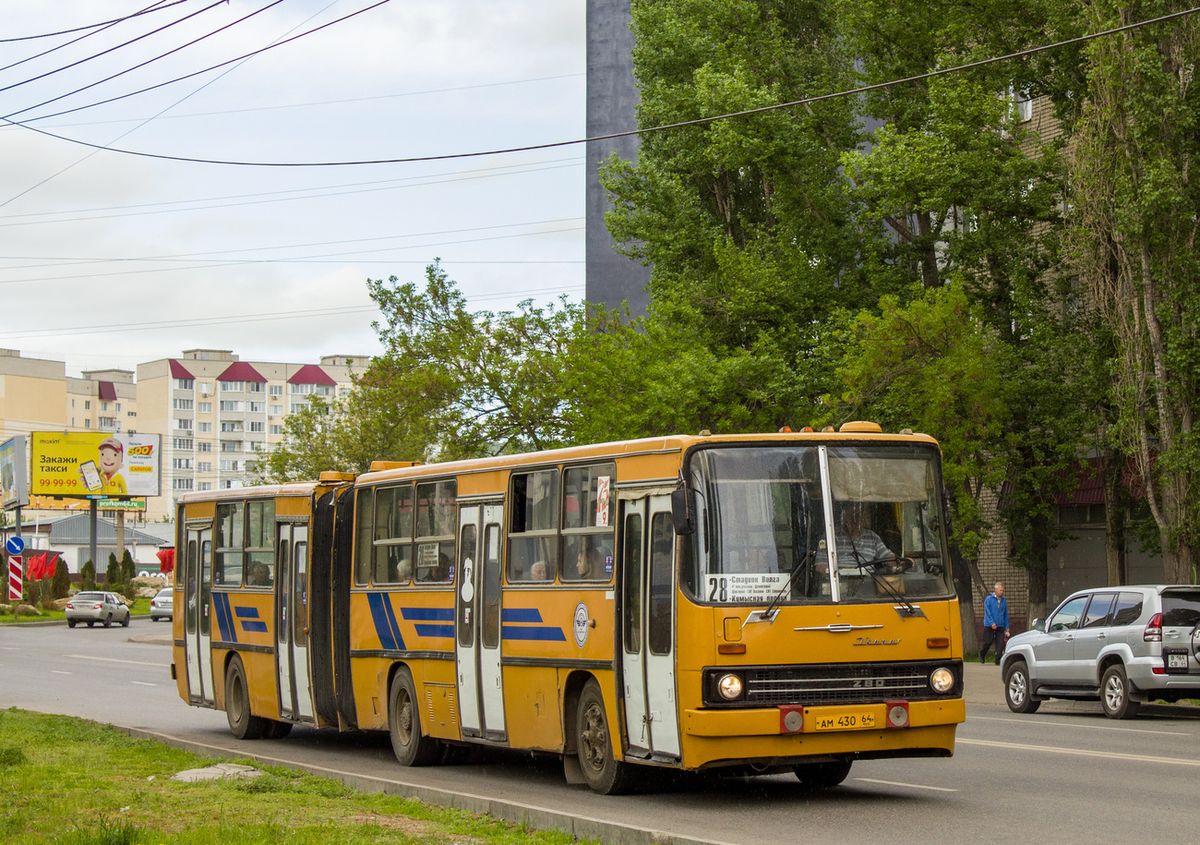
<point>1122,645</point>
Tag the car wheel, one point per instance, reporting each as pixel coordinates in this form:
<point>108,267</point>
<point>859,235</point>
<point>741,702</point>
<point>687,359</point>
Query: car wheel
<point>822,775</point>
<point>1114,694</point>
<point>411,746</point>
<point>125,621</point>
<point>1018,691</point>
<point>108,621</point>
<point>91,622</point>
<point>70,623</point>
<point>242,723</point>
<point>593,743</point>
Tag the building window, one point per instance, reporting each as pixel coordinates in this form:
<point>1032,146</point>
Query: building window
<point>301,389</point>
<point>87,404</point>
<point>182,443</point>
<point>184,383</point>
<point>204,466</point>
<point>131,413</point>
<point>181,463</point>
<point>231,406</point>
<point>204,426</point>
<point>181,484</point>
<point>203,446</point>
<point>108,422</point>
<point>229,466</point>
<point>276,429</point>
<point>118,408</point>
<point>256,407</point>
<point>232,446</point>
<point>257,426</point>
<point>254,387</point>
<point>233,386</point>
<point>185,424</point>
<point>231,426</point>
<point>227,484</point>
<point>87,423</point>
<point>276,410</point>
<point>204,485</point>
<point>206,387</point>
<point>205,407</point>
<point>181,404</point>
<point>297,407</point>
<point>276,390</point>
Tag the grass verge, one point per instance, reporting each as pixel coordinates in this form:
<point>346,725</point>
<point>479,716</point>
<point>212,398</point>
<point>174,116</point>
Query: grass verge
<point>65,780</point>
<point>140,607</point>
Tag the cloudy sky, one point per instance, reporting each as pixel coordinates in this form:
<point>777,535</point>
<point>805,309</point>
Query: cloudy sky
<point>108,259</point>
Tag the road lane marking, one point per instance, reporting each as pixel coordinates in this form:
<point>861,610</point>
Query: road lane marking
<point>143,684</point>
<point>1066,724</point>
<point>60,672</point>
<point>906,785</point>
<point>1080,752</point>
<point>115,660</point>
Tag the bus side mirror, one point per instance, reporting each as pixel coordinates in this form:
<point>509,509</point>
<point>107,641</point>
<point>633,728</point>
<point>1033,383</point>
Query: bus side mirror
<point>683,510</point>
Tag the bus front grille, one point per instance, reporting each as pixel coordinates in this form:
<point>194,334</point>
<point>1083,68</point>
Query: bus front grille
<point>836,683</point>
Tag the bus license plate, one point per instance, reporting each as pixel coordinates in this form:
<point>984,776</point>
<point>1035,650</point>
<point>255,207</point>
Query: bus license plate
<point>845,722</point>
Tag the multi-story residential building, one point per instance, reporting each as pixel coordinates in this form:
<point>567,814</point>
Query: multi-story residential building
<point>217,414</point>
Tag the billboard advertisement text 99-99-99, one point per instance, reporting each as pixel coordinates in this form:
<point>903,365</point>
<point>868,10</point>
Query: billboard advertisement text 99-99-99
<point>89,464</point>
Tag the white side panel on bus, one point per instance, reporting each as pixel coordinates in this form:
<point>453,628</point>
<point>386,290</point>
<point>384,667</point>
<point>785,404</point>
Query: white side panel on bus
<point>291,621</point>
<point>633,614</point>
<point>198,614</point>
<point>661,698</point>
<point>488,611</point>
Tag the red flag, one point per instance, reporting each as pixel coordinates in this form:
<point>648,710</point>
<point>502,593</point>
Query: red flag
<point>43,566</point>
<point>166,558</point>
<point>33,568</point>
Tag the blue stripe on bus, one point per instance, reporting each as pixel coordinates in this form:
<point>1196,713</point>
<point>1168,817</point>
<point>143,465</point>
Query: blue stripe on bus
<point>376,602</point>
<point>428,614</point>
<point>390,613</point>
<point>513,632</point>
<point>224,617</point>
<point>435,630</point>
<point>520,614</point>
<point>254,627</point>
<point>246,612</point>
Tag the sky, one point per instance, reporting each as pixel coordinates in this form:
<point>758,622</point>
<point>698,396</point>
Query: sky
<point>110,259</point>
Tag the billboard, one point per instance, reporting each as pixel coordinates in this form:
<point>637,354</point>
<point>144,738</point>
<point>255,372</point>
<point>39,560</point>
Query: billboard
<point>13,490</point>
<point>94,464</point>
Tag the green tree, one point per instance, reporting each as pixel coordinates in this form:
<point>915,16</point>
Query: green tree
<point>112,574</point>
<point>1136,204</point>
<point>128,568</point>
<point>61,585</point>
<point>87,576</point>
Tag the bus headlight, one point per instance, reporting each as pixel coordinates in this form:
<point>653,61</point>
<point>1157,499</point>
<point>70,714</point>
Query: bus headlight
<point>730,687</point>
<point>941,680</point>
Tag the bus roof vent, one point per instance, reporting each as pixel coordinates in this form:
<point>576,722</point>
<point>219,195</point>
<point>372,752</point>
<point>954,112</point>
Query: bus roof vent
<point>379,466</point>
<point>331,477</point>
<point>859,425</point>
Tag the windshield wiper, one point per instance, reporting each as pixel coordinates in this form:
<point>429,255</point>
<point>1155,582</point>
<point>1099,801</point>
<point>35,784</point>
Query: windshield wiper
<point>772,610</point>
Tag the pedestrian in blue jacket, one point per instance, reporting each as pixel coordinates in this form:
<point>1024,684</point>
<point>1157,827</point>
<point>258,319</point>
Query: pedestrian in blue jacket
<point>995,624</point>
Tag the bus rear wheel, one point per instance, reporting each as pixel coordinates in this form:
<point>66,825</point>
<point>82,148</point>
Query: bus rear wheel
<point>242,723</point>
<point>593,743</point>
<point>412,747</point>
<point>822,775</point>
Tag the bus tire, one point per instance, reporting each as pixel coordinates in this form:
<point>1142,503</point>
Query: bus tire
<point>593,743</point>
<point>822,775</point>
<point>242,723</point>
<point>277,730</point>
<point>412,747</point>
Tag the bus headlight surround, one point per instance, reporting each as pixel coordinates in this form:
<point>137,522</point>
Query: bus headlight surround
<point>941,680</point>
<point>730,687</point>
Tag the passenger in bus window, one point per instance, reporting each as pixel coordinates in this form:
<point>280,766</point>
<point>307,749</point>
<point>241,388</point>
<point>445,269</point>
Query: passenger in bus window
<point>258,576</point>
<point>857,543</point>
<point>540,571</point>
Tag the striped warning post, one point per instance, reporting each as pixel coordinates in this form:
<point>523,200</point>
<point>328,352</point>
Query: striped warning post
<point>14,578</point>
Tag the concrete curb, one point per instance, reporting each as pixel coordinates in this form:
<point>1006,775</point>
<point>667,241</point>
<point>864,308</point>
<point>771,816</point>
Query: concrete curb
<point>541,818</point>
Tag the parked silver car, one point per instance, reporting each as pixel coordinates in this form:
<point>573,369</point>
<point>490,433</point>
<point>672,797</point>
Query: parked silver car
<point>1122,645</point>
<point>93,607</point>
<point>162,606</point>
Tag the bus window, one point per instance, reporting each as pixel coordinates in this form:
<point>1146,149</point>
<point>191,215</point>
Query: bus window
<point>260,543</point>
<point>533,535</point>
<point>436,512</point>
<point>466,622</point>
<point>587,523</point>
<point>365,510</point>
<point>661,588</point>
<point>631,590</point>
<point>491,586</point>
<point>230,536</point>
<point>393,558</point>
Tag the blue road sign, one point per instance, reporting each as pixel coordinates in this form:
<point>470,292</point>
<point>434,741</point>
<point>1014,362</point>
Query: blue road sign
<point>15,545</point>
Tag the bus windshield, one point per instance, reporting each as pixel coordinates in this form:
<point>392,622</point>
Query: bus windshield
<point>816,524</point>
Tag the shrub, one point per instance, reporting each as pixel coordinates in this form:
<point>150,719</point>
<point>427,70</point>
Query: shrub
<point>128,569</point>
<point>87,576</point>
<point>112,575</point>
<point>33,593</point>
<point>61,584</point>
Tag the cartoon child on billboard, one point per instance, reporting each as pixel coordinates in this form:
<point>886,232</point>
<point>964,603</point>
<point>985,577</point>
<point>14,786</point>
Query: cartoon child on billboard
<point>112,458</point>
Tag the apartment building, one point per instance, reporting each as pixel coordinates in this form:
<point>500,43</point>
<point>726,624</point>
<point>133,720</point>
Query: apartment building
<point>218,414</point>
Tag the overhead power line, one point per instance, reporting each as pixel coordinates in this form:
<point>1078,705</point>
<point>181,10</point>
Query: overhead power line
<point>157,7</point>
<point>701,121</point>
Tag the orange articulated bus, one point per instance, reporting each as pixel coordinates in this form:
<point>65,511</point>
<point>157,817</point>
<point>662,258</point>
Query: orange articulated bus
<point>753,603</point>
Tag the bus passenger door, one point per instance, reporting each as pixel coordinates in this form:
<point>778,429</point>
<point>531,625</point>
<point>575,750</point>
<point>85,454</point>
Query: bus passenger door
<point>648,641</point>
<point>466,621</point>
<point>632,618</point>
<point>291,621</point>
<point>661,698</point>
<point>491,686</point>
<point>198,614</point>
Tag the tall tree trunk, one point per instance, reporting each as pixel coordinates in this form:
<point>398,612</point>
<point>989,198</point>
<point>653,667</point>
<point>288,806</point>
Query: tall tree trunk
<point>1040,552</point>
<point>1115,501</point>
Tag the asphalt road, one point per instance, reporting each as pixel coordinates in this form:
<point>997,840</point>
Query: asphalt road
<point>1064,773</point>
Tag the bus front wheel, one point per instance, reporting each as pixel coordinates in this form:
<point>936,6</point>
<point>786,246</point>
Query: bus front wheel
<point>242,723</point>
<point>412,747</point>
<point>593,743</point>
